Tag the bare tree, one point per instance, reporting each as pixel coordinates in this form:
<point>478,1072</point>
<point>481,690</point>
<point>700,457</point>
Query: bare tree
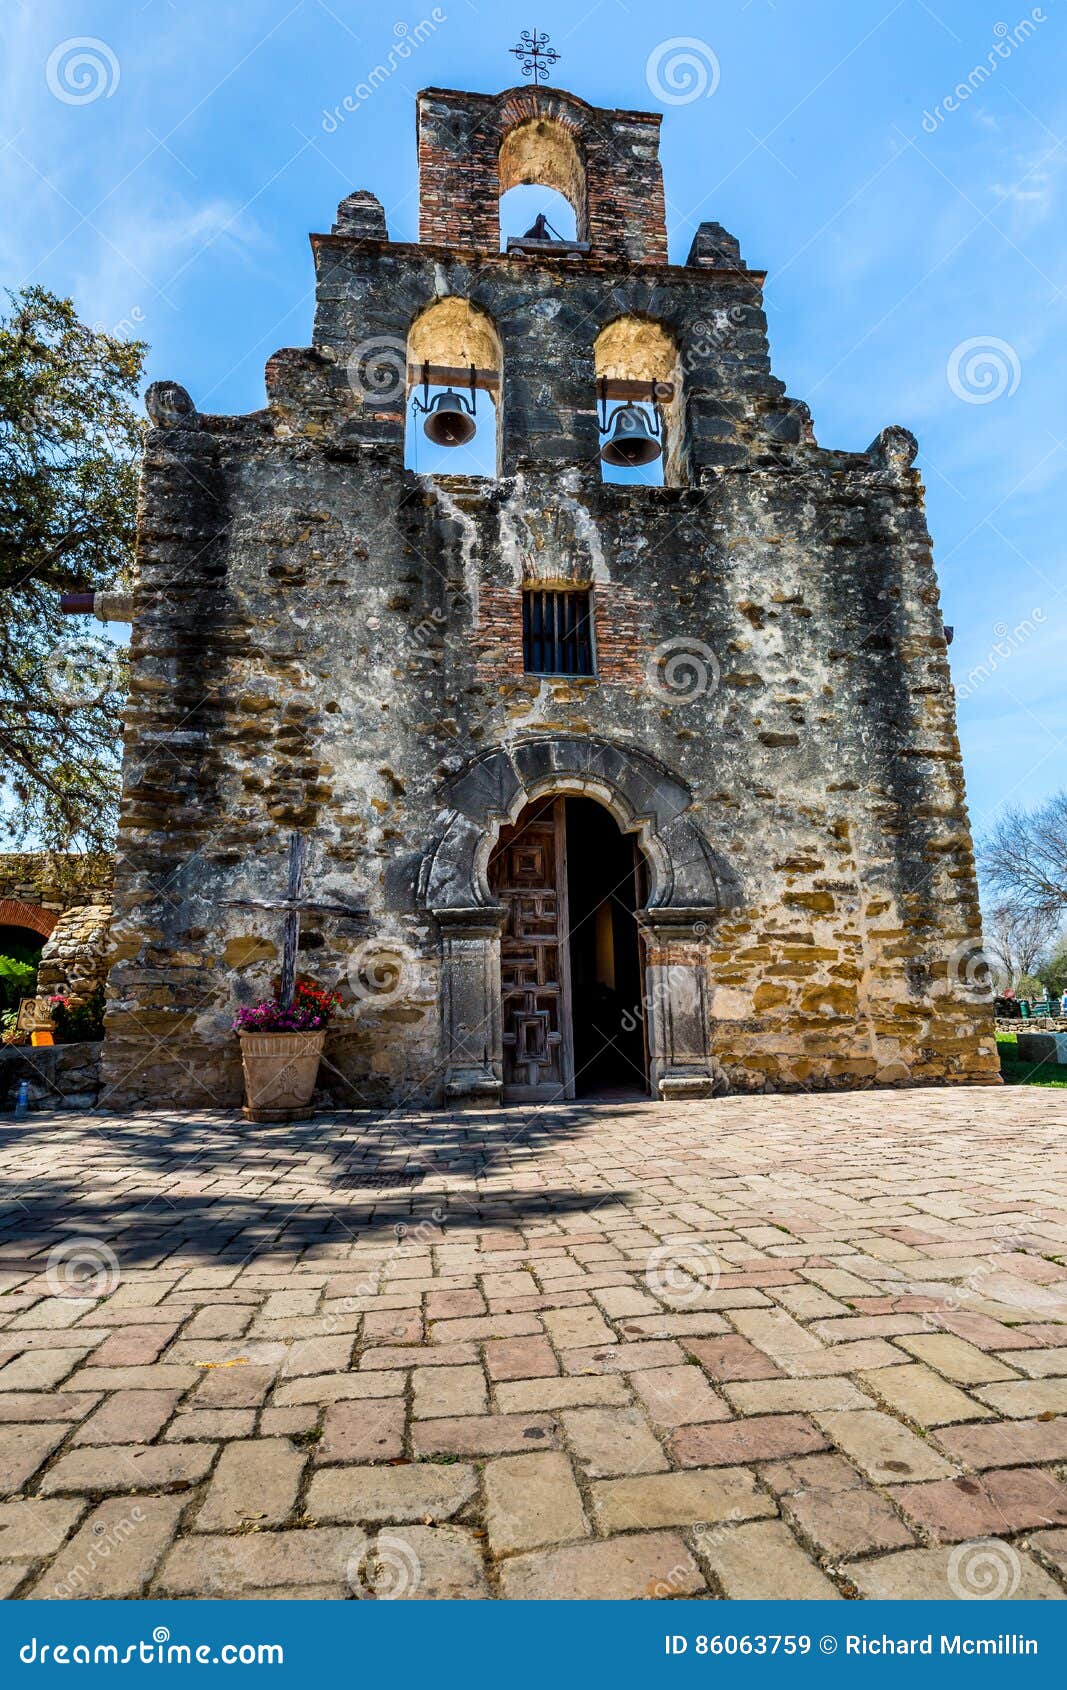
<point>1019,942</point>
<point>1025,858</point>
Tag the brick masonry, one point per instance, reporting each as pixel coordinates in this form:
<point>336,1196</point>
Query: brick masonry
<point>665,1350</point>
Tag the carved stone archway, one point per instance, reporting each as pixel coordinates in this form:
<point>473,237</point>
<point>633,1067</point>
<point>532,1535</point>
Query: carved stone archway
<point>690,885</point>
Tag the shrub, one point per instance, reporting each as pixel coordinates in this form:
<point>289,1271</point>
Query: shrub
<point>17,980</point>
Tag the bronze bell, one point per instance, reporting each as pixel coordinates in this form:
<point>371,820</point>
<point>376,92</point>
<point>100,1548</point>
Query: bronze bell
<point>631,441</point>
<point>449,420</point>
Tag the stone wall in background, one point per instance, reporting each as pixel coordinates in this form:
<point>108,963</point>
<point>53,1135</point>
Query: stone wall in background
<point>55,881</point>
<point>58,1076</point>
<point>75,956</point>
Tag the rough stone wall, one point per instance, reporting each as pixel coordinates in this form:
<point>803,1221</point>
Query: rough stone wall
<point>323,638</point>
<point>75,958</point>
<point>58,1076</point>
<point>54,880</point>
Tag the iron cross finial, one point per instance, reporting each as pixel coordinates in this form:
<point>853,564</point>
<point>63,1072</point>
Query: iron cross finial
<point>534,54</point>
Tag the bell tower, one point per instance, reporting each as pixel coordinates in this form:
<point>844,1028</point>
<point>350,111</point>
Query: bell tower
<point>661,774</point>
<point>474,147</point>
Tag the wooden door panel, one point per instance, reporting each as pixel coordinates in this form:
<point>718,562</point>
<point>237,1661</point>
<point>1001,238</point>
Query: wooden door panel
<point>527,873</point>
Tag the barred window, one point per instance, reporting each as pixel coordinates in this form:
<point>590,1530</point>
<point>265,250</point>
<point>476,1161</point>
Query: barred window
<point>557,632</point>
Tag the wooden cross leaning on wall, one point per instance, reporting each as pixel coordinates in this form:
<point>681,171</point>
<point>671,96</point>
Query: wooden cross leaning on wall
<point>294,904</point>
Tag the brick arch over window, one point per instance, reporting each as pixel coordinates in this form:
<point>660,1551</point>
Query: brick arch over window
<point>462,173</point>
<point>15,913</point>
<point>644,797</point>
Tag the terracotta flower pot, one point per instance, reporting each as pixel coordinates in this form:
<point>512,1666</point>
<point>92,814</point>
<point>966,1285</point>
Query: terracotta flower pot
<point>280,1071</point>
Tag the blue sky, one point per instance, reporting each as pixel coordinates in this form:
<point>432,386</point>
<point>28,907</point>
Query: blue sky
<point>917,255</point>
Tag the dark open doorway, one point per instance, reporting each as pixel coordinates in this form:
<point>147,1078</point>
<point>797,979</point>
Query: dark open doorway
<point>604,870</point>
<point>571,965</point>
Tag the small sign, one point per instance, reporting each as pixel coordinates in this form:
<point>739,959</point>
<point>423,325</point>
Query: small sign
<point>34,1015</point>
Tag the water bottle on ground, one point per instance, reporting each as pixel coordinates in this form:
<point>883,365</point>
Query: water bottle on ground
<point>22,1098</point>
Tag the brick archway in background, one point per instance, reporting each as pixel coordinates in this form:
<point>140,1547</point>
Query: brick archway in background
<point>14,913</point>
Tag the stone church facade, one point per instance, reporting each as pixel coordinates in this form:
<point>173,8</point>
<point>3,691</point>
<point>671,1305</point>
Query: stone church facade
<point>607,785</point>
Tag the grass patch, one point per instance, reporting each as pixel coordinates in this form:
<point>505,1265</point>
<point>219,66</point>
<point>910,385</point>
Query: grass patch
<point>1017,1073</point>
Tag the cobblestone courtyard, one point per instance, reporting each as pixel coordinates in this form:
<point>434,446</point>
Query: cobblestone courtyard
<point>789,1346</point>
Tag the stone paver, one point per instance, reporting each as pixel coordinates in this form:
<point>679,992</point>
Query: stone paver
<point>314,1381</point>
<point>1005,1500</point>
<point>881,1447</point>
<point>426,1564</point>
<point>994,1571</point>
<point>363,1431</point>
<point>613,1440</point>
<point>846,1523</point>
<point>678,1396</point>
<point>373,1494</point>
<point>115,1552</point>
<point>644,1566</point>
<point>240,1566</point>
<point>520,1358</point>
<point>1023,1397</point>
<point>36,1528</point>
<point>679,1499</point>
<point>256,1480</point>
<point>97,1471</point>
<point>918,1394</point>
<point>443,1391</point>
<point>764,1561</point>
<point>23,1449</point>
<point>1009,1443</point>
<point>754,1438</point>
<point>964,1363</point>
<point>532,1500</point>
<point>128,1417</point>
<point>523,1396</point>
